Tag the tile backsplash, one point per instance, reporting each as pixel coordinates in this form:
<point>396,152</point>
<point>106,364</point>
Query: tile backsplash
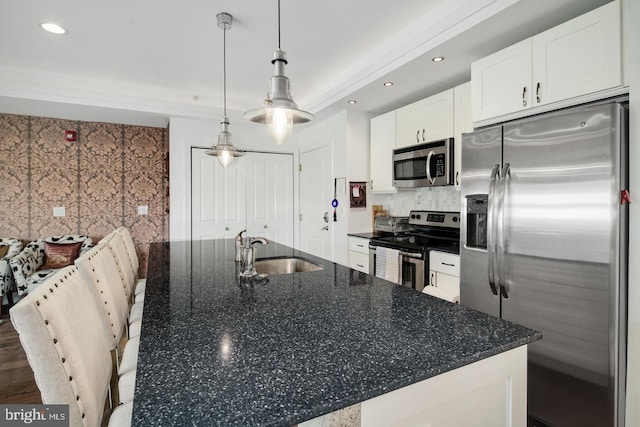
<point>427,198</point>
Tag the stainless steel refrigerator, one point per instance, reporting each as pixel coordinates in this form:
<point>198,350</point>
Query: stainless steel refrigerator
<point>544,244</point>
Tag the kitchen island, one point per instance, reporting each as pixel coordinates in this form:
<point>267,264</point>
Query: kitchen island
<point>217,350</point>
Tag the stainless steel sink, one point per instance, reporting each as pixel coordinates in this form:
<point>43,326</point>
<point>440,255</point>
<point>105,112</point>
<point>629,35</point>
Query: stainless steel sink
<point>285,265</point>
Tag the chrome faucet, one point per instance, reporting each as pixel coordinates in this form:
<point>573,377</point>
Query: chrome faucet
<point>239,245</point>
<point>248,257</point>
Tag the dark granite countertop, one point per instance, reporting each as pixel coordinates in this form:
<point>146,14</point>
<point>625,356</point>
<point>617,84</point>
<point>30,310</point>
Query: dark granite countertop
<point>369,235</point>
<point>216,351</point>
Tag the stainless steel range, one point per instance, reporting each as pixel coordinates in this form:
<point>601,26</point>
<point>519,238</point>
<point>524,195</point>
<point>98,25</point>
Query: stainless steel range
<point>428,230</point>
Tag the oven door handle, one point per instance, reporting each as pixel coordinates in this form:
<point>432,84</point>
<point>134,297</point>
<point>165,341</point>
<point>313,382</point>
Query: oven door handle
<point>411,254</point>
<point>416,255</point>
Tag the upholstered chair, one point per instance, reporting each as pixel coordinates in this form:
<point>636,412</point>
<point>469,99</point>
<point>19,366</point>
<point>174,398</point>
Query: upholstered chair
<point>30,267</point>
<point>61,331</point>
<point>9,248</point>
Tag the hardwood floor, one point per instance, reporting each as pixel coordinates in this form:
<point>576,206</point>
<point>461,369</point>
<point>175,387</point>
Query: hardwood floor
<point>17,384</point>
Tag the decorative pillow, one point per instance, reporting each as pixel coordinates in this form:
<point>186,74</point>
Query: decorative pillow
<point>3,250</point>
<point>58,255</point>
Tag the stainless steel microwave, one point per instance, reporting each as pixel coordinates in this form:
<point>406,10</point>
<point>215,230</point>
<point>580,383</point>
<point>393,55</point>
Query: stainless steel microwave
<point>424,165</point>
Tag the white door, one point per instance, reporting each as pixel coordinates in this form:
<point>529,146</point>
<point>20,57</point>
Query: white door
<point>254,191</point>
<point>270,196</point>
<point>315,202</point>
<point>218,197</point>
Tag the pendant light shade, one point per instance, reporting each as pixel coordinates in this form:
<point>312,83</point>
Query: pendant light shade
<point>224,149</point>
<point>279,112</point>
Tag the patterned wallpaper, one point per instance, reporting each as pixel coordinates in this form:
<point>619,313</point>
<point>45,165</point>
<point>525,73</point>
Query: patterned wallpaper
<point>100,179</point>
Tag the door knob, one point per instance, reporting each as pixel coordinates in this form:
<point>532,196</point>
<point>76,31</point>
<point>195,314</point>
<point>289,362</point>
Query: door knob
<point>265,226</point>
<point>326,227</point>
<point>226,229</point>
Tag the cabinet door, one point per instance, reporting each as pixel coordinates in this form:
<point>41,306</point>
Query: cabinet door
<point>462,123</point>
<point>578,57</point>
<point>501,82</point>
<point>410,122</point>
<point>383,140</point>
<point>438,119</point>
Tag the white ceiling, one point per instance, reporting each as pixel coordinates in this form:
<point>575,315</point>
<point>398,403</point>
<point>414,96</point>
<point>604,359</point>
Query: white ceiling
<point>146,60</point>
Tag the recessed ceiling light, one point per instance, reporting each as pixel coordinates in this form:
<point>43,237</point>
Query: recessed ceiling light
<point>438,59</point>
<point>388,83</point>
<point>53,28</point>
<point>352,101</point>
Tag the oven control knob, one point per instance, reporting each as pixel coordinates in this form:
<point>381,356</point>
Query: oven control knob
<point>417,216</point>
<point>413,216</point>
<point>455,219</point>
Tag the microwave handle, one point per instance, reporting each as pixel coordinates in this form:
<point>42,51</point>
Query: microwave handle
<point>431,180</point>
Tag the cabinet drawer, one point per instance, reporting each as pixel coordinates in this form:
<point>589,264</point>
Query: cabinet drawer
<point>359,261</point>
<point>444,262</point>
<point>358,244</point>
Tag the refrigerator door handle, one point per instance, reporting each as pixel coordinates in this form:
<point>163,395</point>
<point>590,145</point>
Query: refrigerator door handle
<point>431,180</point>
<point>504,180</point>
<point>491,238</point>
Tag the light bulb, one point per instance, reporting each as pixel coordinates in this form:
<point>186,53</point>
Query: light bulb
<point>225,157</point>
<point>279,123</point>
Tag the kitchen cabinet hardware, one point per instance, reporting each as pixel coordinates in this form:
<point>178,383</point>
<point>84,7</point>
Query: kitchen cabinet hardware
<point>226,229</point>
<point>418,135</point>
<point>265,226</point>
<point>524,96</point>
<point>538,92</point>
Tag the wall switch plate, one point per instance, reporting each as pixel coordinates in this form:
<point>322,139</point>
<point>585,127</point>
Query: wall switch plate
<point>143,210</point>
<point>59,211</point>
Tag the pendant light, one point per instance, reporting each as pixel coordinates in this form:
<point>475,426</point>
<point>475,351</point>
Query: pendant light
<point>278,111</point>
<point>224,150</point>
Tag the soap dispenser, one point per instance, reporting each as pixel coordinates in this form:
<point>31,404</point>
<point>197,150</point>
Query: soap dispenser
<point>239,245</point>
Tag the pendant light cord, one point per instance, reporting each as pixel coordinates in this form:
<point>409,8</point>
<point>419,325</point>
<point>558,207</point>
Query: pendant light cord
<point>278,24</point>
<point>224,69</point>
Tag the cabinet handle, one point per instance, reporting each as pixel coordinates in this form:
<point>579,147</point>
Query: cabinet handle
<point>423,140</point>
<point>538,92</point>
<point>524,96</point>
<point>226,229</point>
<point>433,276</point>
<point>447,264</point>
<point>360,265</point>
<point>418,135</point>
<point>359,245</point>
<point>457,178</point>
<point>265,226</point>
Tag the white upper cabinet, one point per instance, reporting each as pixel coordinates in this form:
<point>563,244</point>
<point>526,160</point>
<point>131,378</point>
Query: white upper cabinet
<point>383,141</point>
<point>438,116</point>
<point>501,82</point>
<point>462,123</point>
<point>426,120</point>
<point>576,58</point>
<point>410,121</point>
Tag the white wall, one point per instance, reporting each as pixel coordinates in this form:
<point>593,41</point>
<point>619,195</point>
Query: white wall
<point>631,35</point>
<point>187,133</point>
<point>347,134</point>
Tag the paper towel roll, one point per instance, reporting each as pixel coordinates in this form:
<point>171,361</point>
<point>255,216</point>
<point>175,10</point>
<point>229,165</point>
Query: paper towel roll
<point>438,293</point>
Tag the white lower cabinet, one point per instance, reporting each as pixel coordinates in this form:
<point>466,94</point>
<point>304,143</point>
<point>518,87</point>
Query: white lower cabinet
<point>444,272</point>
<point>490,392</point>
<point>359,254</point>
